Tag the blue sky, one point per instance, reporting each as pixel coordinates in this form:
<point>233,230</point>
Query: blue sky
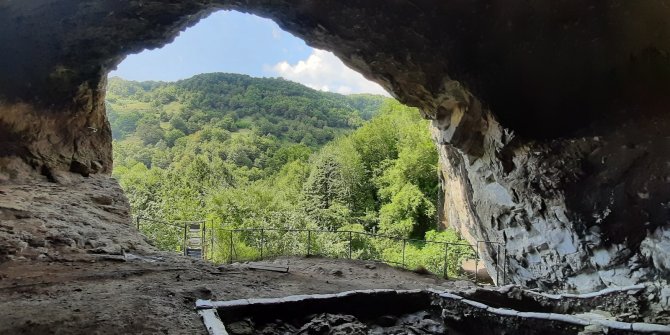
<point>229,41</point>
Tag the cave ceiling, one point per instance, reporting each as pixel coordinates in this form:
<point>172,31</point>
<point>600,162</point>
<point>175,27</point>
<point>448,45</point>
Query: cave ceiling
<point>544,68</point>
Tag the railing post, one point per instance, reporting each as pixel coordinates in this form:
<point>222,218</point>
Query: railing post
<point>138,223</point>
<point>404,243</point>
<point>309,242</point>
<point>446,253</point>
<point>497,264</point>
<point>505,265</point>
<point>230,251</point>
<point>349,244</point>
<point>476,262</point>
<point>262,241</point>
<point>211,237</point>
<point>185,236</point>
<point>203,240</point>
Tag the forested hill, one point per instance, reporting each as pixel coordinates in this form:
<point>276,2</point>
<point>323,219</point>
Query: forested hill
<point>250,153</point>
<point>156,111</point>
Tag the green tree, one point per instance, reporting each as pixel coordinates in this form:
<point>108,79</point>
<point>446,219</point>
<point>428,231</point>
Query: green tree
<point>149,130</point>
<point>253,153</point>
<point>172,135</point>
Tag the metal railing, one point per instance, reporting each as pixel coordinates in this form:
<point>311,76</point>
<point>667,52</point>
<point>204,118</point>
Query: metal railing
<point>499,262</point>
<point>228,245</point>
<point>182,226</point>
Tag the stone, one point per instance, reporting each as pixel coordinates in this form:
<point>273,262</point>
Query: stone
<point>244,327</point>
<point>103,200</point>
<point>80,168</point>
<point>97,167</point>
<point>349,328</point>
<point>333,324</point>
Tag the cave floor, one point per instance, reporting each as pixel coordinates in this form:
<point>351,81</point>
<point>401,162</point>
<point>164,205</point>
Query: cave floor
<point>72,262</point>
<point>156,295</point>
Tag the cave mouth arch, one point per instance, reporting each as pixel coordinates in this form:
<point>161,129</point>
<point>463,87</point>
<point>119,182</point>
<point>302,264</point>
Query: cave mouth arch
<point>592,78</point>
<point>534,65</point>
<point>544,71</point>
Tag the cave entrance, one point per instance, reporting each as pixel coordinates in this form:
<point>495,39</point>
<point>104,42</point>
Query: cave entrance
<point>197,146</point>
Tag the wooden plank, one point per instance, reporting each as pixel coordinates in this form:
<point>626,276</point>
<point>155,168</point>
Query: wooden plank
<point>212,322</point>
<point>269,267</point>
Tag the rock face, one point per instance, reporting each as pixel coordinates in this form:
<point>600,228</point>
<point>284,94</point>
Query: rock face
<point>70,221</point>
<point>550,117</point>
<point>580,213</point>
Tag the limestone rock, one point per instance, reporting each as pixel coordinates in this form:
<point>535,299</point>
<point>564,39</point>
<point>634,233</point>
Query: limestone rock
<point>46,221</point>
<point>333,324</point>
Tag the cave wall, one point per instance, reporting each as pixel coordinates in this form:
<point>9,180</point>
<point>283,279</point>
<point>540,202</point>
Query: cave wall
<point>578,213</point>
<point>50,141</point>
<point>549,116</point>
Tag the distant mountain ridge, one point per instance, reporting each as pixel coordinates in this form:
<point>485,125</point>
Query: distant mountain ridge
<point>234,102</point>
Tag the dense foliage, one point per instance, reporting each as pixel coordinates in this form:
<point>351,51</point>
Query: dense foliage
<point>268,153</point>
<point>231,102</point>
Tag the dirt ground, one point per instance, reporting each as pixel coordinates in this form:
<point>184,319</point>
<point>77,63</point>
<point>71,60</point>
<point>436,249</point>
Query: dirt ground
<point>156,294</point>
<point>70,264</point>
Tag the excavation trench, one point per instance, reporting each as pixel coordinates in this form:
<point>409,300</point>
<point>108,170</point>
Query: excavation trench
<point>506,311</point>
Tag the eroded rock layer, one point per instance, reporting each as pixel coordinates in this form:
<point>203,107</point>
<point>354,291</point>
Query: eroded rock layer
<point>49,222</point>
<point>550,116</point>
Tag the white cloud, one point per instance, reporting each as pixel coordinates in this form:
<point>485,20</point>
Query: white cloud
<point>324,71</point>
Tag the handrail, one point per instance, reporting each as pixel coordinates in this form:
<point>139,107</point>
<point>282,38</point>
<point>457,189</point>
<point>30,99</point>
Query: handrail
<point>350,231</point>
<point>263,242</point>
<point>169,223</point>
<point>322,231</point>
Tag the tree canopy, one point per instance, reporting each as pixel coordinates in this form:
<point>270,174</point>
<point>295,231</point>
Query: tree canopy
<point>249,153</point>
